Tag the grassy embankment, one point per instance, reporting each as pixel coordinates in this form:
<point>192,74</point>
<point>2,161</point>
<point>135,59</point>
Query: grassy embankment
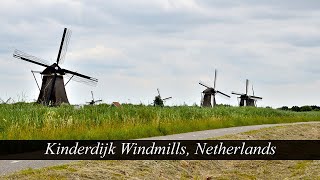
<point>33,121</point>
<point>194,169</point>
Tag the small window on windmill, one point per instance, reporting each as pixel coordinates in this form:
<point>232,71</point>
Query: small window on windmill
<point>116,104</point>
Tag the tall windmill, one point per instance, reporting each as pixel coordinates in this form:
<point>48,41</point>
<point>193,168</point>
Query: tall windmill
<point>210,92</point>
<point>5,102</point>
<point>245,99</point>
<point>52,91</point>
<point>158,101</point>
<point>93,102</point>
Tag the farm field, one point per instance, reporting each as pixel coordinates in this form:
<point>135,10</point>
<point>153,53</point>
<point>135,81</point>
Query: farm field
<point>195,169</point>
<point>33,121</point>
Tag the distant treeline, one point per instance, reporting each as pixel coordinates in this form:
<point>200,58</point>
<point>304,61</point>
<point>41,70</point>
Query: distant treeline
<point>301,108</point>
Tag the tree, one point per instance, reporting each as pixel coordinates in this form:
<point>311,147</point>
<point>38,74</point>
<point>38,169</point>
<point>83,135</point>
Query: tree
<point>295,108</point>
<point>285,108</point>
<point>305,108</point>
<point>315,108</point>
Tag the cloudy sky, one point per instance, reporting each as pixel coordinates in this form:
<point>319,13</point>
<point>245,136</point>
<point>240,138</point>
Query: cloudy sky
<point>136,46</point>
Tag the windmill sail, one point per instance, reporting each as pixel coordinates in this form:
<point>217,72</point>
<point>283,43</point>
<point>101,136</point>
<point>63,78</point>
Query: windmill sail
<point>215,79</point>
<point>64,45</point>
<point>29,58</point>
<point>166,98</point>
<point>81,78</point>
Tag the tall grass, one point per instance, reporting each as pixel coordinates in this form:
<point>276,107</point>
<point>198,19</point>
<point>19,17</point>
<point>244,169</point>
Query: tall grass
<point>33,121</point>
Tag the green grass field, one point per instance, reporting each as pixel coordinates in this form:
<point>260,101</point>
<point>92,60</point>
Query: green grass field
<point>33,121</point>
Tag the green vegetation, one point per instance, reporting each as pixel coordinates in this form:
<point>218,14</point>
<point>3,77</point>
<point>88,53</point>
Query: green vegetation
<point>33,121</point>
<point>301,109</point>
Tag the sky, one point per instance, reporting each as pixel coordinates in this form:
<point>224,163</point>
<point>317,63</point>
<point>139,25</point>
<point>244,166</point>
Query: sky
<point>136,46</point>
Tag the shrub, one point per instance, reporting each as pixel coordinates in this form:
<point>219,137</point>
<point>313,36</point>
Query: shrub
<point>305,108</point>
<point>285,108</point>
<point>295,108</point>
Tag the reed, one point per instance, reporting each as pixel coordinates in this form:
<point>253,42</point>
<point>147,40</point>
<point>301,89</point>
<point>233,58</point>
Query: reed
<point>33,121</point>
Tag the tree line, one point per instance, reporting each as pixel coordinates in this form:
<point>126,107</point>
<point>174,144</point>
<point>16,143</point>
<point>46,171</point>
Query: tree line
<point>300,108</point>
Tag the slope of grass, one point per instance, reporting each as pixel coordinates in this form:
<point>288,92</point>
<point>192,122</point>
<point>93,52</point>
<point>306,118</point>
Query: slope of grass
<point>33,121</point>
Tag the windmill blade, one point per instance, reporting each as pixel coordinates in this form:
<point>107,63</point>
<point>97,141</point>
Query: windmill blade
<point>247,84</point>
<point>252,90</point>
<point>92,96</point>
<point>158,91</point>
<point>255,97</point>
<point>64,45</point>
<point>202,84</point>
<point>98,100</point>
<point>215,79</point>
<point>81,78</point>
<point>166,98</point>
<point>236,93</point>
<point>7,101</point>
<point>1,101</point>
<point>29,58</point>
<point>223,94</point>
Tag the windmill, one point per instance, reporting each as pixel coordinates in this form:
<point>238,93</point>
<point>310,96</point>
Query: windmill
<point>52,91</point>
<point>158,101</point>
<point>5,102</point>
<point>93,102</point>
<point>210,92</point>
<point>245,99</point>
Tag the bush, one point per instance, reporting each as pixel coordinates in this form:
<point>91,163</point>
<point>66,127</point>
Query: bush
<point>315,108</point>
<point>285,108</point>
<point>305,108</point>
<point>295,108</point>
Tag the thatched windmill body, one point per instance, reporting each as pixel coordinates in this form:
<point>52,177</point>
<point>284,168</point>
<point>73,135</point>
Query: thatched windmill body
<point>93,102</point>
<point>247,100</point>
<point>158,101</point>
<point>52,91</point>
<point>208,96</point>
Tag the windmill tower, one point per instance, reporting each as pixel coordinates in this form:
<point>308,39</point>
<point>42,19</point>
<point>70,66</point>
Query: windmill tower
<point>93,102</point>
<point>52,91</point>
<point>247,100</point>
<point>158,101</point>
<point>210,93</point>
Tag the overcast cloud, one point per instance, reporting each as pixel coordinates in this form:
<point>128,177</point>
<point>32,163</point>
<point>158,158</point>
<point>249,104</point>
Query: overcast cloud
<point>134,47</point>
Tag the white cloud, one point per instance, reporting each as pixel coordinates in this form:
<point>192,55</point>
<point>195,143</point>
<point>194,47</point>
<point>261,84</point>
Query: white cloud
<point>134,47</point>
<point>99,52</point>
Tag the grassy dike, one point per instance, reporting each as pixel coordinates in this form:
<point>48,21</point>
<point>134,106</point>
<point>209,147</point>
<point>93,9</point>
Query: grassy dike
<point>33,121</point>
<point>195,169</point>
